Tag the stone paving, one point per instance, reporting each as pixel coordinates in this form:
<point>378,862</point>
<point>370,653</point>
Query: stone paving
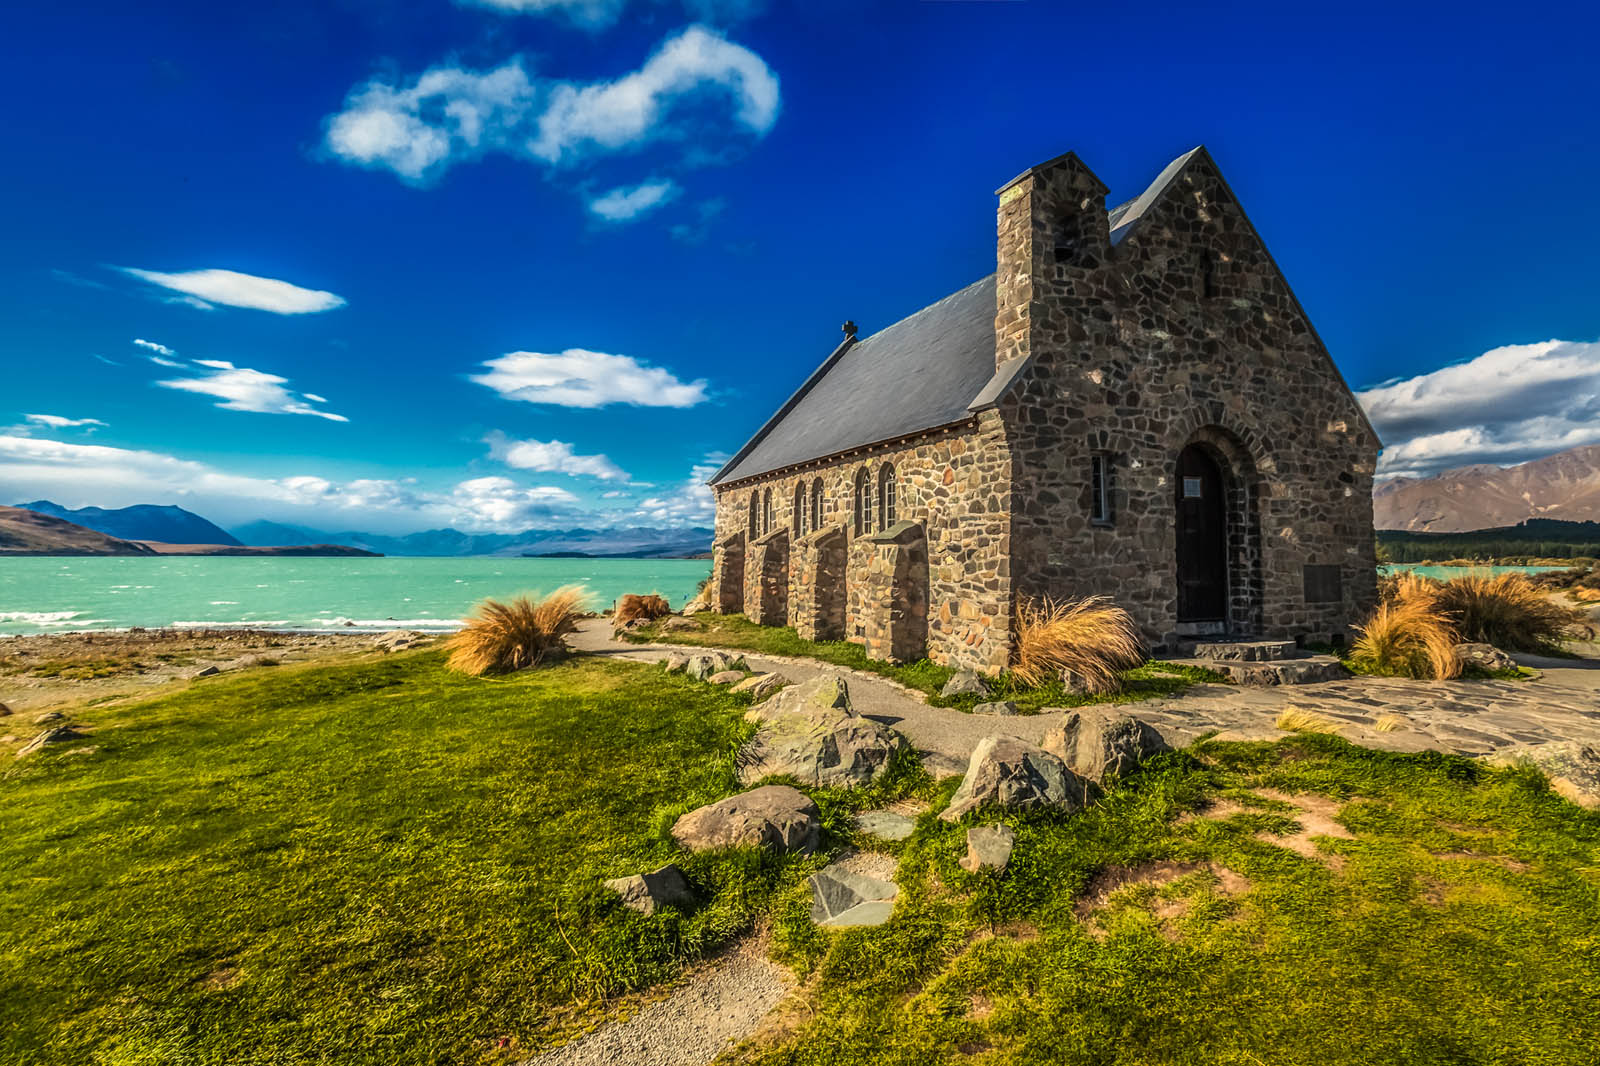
<point>1468,717</point>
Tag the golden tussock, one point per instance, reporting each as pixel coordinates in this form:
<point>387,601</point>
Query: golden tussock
<point>501,637</point>
<point>1092,637</point>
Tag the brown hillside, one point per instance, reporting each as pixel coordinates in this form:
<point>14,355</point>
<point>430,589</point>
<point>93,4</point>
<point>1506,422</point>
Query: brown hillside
<point>1564,486</point>
<point>30,533</point>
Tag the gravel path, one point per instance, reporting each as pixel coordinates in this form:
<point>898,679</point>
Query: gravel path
<point>715,1006</point>
<point>1469,717</point>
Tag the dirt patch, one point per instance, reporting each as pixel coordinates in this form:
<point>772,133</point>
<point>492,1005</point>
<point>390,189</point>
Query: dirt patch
<point>979,1006</point>
<point>1316,816</point>
<point>1216,810</point>
<point>1168,910</point>
<point>1098,892</point>
<point>223,977</point>
<point>1505,862</point>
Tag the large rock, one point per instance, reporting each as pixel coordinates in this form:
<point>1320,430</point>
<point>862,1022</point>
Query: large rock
<point>727,677</point>
<point>775,816</point>
<point>1010,772</point>
<point>679,624</point>
<point>697,605</point>
<point>1573,768</point>
<point>842,898</point>
<point>646,893</point>
<point>1484,657</point>
<point>761,686</point>
<point>702,665</point>
<point>965,683</point>
<point>1099,744</point>
<point>1000,707</point>
<point>675,661</point>
<point>399,639</point>
<point>809,732</point>
<point>988,848</point>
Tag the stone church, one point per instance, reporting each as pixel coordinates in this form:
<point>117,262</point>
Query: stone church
<point>1132,405</point>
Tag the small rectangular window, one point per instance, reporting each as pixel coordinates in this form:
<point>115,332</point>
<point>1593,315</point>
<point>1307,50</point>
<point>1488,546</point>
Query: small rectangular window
<point>1100,489</point>
<point>1192,489</point>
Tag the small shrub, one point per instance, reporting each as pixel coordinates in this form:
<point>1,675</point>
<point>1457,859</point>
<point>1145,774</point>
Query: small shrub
<point>1408,636</point>
<point>501,637</point>
<point>1093,637</point>
<point>632,608</point>
<point>1508,611</point>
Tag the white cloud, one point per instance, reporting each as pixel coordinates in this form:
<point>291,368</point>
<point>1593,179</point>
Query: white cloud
<point>163,356</point>
<point>62,422</point>
<point>614,494</point>
<point>552,456</point>
<point>450,114</point>
<point>692,504</point>
<point>244,389</point>
<point>202,288</point>
<point>581,378</point>
<point>626,203</point>
<point>1506,406</point>
<point>78,475</point>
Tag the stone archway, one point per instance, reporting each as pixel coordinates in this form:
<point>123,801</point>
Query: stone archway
<point>1217,535</point>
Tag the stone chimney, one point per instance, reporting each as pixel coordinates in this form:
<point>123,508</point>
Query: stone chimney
<point>1051,232</point>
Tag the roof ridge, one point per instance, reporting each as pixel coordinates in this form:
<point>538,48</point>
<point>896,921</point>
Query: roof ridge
<point>928,307</point>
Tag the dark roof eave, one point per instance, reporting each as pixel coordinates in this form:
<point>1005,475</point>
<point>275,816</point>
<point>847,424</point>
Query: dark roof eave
<point>784,471</point>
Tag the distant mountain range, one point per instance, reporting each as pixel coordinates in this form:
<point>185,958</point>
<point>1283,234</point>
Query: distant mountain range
<point>28,532</point>
<point>170,525</point>
<point>1563,486</point>
<point>638,542</point>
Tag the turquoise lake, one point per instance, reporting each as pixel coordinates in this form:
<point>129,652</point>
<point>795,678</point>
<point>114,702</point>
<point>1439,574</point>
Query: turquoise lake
<point>58,594</point>
<point>1445,573</point>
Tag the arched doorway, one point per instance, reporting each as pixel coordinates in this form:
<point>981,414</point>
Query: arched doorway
<point>1200,492</point>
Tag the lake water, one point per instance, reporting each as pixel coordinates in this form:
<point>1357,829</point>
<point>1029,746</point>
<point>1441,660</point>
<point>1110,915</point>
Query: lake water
<point>1445,573</point>
<point>55,594</point>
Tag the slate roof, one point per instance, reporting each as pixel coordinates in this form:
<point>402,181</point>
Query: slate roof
<point>921,372</point>
<point>929,370</point>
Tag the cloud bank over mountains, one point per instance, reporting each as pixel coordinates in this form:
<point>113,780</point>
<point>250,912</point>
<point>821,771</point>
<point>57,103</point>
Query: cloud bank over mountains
<point>1506,406</point>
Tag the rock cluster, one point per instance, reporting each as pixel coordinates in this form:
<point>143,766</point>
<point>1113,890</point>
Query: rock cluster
<point>1485,657</point>
<point>702,665</point>
<point>775,816</point>
<point>60,734</point>
<point>1099,745</point>
<point>1573,768</point>
<point>761,685</point>
<point>811,733</point>
<point>1009,772</point>
<point>965,683</point>
<point>399,639</point>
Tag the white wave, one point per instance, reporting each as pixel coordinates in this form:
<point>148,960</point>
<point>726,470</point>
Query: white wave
<point>389,623</point>
<point>224,603</point>
<point>230,625</point>
<point>39,618</point>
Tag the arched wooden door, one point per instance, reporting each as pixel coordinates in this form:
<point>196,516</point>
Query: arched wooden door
<point>1202,537</point>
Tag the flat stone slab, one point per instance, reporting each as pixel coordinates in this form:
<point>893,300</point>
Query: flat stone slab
<point>885,825</point>
<point>842,898</point>
<point>1001,707</point>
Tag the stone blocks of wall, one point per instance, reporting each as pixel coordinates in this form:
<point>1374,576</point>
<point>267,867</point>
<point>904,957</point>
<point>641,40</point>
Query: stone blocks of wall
<point>889,597</point>
<point>725,593</point>
<point>817,584</point>
<point>766,580</point>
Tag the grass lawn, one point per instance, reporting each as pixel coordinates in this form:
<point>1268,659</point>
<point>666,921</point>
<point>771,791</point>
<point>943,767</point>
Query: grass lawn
<point>1458,923</point>
<point>376,862</point>
<point>1153,679</point>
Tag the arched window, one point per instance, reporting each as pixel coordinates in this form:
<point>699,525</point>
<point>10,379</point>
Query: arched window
<point>863,502</point>
<point>755,515</point>
<point>816,504</point>
<point>799,517</point>
<point>886,507</point>
<point>766,511</point>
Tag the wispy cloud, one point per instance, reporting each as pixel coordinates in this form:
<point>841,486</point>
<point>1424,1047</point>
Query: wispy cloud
<point>62,422</point>
<point>581,378</point>
<point>81,474</point>
<point>450,114</point>
<point>163,356</point>
<point>205,288</point>
<point>628,202</point>
<point>551,456</point>
<point>1506,406</point>
<point>244,389</point>
<point>691,503</point>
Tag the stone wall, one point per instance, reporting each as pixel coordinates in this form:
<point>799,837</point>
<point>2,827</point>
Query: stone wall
<point>956,482</point>
<point>766,587</point>
<point>817,584</point>
<point>889,596</point>
<point>1184,332</point>
<point>725,593</point>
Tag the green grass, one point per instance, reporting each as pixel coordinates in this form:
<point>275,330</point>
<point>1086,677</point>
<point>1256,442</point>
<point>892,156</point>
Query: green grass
<point>1152,680</point>
<point>1461,924</point>
<point>378,862</point>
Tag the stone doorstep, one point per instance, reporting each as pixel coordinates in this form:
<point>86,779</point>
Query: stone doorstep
<point>1249,651</point>
<point>1308,670</point>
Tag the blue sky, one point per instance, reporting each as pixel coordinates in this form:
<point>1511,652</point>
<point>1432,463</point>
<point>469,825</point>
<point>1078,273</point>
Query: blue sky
<point>541,262</point>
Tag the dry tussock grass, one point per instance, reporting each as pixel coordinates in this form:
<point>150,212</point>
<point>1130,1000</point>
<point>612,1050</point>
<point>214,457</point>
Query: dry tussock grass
<point>647,608</point>
<point>1508,611</point>
<point>1092,637</point>
<point>501,637</point>
<point>1409,635</point>
<point>1294,719</point>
